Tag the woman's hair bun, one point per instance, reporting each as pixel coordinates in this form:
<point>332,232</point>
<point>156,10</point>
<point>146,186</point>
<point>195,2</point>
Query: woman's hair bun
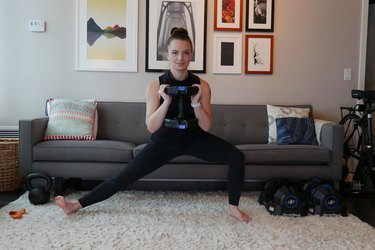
<point>179,34</point>
<point>179,31</point>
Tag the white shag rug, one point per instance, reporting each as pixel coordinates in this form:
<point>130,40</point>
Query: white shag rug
<point>175,220</point>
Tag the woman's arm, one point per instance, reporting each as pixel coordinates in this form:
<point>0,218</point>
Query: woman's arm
<point>155,113</point>
<point>203,113</point>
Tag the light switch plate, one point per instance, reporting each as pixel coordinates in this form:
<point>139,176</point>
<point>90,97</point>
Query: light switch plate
<point>37,25</point>
<point>347,74</point>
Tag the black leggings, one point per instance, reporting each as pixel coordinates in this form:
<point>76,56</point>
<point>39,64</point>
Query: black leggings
<point>204,146</point>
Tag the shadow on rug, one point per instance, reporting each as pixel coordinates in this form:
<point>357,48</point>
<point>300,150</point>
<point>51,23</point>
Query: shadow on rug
<point>175,220</point>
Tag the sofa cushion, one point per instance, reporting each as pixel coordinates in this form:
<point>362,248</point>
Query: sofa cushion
<point>71,120</point>
<point>269,154</point>
<point>84,151</point>
<point>274,112</point>
<point>292,130</point>
<point>285,154</point>
<point>179,159</point>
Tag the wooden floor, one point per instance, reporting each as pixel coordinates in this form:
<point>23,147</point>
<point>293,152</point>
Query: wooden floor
<point>7,197</point>
<point>362,206</point>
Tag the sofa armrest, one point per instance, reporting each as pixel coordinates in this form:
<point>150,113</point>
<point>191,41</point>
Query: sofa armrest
<point>30,133</point>
<point>331,137</point>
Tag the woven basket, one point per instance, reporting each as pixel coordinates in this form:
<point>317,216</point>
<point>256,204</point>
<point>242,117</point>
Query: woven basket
<point>9,175</point>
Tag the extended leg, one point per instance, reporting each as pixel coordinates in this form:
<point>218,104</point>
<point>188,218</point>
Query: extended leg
<point>148,160</point>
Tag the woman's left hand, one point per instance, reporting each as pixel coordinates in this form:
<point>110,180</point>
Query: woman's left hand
<point>202,110</point>
<point>196,98</point>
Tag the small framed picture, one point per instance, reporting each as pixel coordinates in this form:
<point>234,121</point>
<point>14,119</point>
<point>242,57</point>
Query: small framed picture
<point>227,53</point>
<point>107,35</point>
<point>259,15</point>
<point>259,54</point>
<point>228,15</point>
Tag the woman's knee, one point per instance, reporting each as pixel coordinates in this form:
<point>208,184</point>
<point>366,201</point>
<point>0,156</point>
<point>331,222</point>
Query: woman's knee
<point>242,157</point>
<point>239,154</point>
<point>237,158</point>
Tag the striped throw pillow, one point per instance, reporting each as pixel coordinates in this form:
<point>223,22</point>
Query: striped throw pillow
<point>71,120</point>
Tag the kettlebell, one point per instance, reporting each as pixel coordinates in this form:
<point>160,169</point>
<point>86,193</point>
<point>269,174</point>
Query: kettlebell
<point>40,194</point>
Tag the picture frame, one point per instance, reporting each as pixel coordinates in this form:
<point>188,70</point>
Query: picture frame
<point>189,14</point>
<point>227,53</point>
<point>228,15</point>
<point>106,42</point>
<point>260,15</point>
<point>259,54</point>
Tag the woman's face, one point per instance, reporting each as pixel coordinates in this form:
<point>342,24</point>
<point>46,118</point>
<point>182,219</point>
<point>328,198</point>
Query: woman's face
<point>179,54</point>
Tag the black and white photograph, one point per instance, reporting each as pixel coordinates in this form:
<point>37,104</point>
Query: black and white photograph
<point>162,17</point>
<point>259,15</point>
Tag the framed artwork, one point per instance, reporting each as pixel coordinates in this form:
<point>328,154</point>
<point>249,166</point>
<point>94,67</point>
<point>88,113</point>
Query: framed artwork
<point>259,15</point>
<point>228,15</point>
<point>227,53</point>
<point>162,16</point>
<point>107,35</point>
<point>259,54</point>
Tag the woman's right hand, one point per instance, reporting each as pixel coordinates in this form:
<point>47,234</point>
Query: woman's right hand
<point>167,98</point>
<point>155,113</point>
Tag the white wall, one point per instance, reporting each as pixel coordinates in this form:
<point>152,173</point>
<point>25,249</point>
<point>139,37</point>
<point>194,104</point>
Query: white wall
<point>314,42</point>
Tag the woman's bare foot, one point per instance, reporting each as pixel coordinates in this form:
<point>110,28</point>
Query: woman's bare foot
<point>235,212</point>
<point>66,206</point>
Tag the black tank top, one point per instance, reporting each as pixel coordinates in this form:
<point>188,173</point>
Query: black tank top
<point>172,135</point>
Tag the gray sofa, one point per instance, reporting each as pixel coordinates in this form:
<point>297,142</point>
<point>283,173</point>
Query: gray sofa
<point>122,134</point>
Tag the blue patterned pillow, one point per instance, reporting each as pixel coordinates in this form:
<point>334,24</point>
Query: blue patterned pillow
<point>292,130</point>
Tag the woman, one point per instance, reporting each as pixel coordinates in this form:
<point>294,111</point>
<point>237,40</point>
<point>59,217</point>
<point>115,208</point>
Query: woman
<point>166,142</point>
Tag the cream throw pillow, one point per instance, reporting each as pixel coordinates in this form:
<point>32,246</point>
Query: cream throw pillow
<point>274,112</point>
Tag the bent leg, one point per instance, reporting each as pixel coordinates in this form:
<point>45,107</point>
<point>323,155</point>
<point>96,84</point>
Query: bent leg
<point>212,148</point>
